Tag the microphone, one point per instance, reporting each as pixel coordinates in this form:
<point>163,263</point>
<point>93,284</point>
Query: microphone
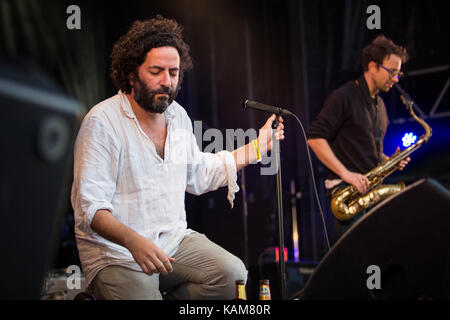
<point>266,108</point>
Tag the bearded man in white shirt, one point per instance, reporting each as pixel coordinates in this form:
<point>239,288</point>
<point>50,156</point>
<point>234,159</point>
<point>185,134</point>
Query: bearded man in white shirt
<point>135,157</point>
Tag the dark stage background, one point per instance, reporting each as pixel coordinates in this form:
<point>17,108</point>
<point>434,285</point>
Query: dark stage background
<point>290,54</point>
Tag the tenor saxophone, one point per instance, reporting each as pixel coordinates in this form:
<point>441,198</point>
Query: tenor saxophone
<point>346,203</point>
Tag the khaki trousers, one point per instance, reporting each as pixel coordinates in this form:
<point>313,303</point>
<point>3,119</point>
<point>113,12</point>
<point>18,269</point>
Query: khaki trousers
<point>201,270</point>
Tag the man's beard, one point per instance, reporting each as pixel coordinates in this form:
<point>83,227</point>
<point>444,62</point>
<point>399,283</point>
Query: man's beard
<point>147,99</point>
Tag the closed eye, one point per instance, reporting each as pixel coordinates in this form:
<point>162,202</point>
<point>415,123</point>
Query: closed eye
<point>155,70</point>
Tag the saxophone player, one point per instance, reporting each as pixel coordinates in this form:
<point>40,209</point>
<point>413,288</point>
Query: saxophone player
<point>347,135</point>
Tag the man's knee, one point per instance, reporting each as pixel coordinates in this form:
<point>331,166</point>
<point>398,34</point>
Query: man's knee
<point>229,272</point>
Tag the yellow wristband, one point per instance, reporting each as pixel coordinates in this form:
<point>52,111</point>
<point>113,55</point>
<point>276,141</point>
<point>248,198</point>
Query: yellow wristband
<point>256,149</point>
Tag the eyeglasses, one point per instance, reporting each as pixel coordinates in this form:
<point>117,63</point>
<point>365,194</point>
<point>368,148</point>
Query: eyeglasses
<point>396,74</point>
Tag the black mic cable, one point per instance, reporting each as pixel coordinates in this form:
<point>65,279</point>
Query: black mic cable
<point>313,180</point>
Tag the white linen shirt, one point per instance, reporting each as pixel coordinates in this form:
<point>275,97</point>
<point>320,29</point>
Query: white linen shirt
<point>117,168</point>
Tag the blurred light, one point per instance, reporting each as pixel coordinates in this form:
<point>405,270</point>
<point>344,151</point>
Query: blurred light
<point>409,139</point>
<point>277,254</point>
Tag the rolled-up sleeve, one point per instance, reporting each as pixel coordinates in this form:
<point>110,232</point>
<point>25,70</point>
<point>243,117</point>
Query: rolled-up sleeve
<point>96,158</point>
<point>208,171</point>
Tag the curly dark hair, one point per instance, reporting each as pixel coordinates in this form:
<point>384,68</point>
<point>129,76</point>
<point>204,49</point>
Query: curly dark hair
<point>130,51</point>
<point>380,48</point>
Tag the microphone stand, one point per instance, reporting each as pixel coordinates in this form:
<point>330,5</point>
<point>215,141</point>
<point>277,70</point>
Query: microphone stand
<point>244,216</point>
<point>276,148</point>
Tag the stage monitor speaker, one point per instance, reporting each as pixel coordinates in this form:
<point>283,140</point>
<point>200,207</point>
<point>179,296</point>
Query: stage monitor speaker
<point>398,250</point>
<point>37,133</point>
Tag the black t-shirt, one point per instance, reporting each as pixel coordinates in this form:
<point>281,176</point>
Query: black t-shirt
<point>354,125</point>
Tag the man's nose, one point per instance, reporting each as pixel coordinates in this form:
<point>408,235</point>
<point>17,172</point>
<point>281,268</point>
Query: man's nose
<point>165,79</point>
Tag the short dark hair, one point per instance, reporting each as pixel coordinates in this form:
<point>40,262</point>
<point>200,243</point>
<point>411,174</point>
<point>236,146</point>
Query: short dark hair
<point>379,49</point>
<point>130,51</point>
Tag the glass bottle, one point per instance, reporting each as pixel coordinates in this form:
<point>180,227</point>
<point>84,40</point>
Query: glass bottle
<point>240,290</point>
<point>264,290</point>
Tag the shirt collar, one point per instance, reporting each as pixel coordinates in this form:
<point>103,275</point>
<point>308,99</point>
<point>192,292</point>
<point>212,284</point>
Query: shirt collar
<point>128,110</point>
<point>126,106</point>
<point>170,111</point>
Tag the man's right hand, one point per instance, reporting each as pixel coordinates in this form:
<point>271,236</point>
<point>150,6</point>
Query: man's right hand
<point>323,151</point>
<point>357,180</point>
<point>148,256</point>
